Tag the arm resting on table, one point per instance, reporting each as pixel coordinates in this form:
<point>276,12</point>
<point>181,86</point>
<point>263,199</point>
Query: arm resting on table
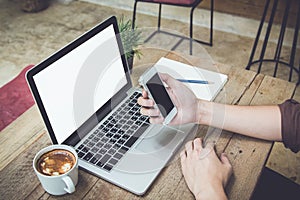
<point>275,123</point>
<point>262,122</point>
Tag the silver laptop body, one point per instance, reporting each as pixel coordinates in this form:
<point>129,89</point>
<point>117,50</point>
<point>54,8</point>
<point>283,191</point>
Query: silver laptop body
<point>86,98</point>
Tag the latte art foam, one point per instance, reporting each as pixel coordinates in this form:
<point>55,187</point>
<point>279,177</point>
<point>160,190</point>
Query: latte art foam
<point>56,162</point>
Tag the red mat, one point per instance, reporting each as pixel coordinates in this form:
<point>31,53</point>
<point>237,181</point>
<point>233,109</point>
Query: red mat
<point>15,99</point>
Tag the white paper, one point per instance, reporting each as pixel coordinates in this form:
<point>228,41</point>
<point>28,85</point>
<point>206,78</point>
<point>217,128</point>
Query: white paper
<point>180,70</point>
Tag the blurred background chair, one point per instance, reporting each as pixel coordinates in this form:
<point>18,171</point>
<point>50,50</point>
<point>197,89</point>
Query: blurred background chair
<point>270,10</point>
<point>184,3</point>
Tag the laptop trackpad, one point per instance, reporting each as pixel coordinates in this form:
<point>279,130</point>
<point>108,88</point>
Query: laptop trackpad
<point>161,140</point>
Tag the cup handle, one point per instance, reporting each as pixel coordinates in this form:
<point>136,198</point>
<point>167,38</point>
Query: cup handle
<point>69,183</point>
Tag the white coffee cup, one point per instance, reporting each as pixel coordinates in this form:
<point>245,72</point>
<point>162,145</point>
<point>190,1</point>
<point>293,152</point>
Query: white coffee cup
<point>58,184</point>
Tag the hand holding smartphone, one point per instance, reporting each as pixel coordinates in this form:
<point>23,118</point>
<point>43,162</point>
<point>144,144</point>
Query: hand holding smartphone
<point>152,83</point>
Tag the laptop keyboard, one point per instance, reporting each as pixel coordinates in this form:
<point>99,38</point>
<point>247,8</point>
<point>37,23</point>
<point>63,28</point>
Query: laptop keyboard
<point>112,140</point>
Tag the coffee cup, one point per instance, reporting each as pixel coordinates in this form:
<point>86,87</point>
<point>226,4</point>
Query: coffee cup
<point>56,167</point>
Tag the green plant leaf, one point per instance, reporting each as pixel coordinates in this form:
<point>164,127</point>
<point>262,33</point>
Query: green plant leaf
<point>131,38</point>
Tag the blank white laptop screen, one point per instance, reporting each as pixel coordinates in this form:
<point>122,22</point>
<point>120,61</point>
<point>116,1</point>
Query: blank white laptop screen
<point>75,86</point>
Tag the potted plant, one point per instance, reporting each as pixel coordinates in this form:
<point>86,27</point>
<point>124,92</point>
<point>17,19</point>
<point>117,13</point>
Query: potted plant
<point>131,39</point>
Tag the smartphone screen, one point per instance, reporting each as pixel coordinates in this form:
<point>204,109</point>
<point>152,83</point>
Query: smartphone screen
<point>160,95</point>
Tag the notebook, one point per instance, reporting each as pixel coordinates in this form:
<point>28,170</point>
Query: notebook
<point>86,98</point>
<point>180,70</point>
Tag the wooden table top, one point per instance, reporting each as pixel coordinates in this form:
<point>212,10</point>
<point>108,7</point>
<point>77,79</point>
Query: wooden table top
<point>22,139</point>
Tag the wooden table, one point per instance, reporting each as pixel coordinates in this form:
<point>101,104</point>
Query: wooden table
<point>26,136</point>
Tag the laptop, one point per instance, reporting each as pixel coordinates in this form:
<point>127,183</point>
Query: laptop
<point>86,98</point>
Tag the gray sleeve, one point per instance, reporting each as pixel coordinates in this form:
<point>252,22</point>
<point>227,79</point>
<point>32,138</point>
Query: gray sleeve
<point>290,124</point>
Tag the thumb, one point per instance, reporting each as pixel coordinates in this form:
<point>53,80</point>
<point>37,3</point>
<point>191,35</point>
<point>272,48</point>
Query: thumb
<point>227,167</point>
<point>169,80</point>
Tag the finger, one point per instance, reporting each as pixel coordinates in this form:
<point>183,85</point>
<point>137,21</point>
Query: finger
<point>182,155</point>
<point>145,102</point>
<point>209,147</point>
<point>183,162</point>
<point>189,147</point>
<point>182,159</point>
<point>151,112</point>
<point>145,94</point>
<point>225,160</point>
<point>226,163</point>
<point>198,144</point>
<point>156,120</point>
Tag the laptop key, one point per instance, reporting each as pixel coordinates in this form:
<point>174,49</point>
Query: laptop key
<point>113,161</point>
<point>126,117</point>
<point>143,118</point>
<point>103,160</point>
<point>102,151</point>
<point>137,114</point>
<point>136,136</point>
<point>98,156</point>
<point>113,139</point>
<point>94,160</point>
<point>110,125</point>
<point>117,136</point>
<point>109,135</point>
<point>104,139</point>
<point>88,156</point>
<point>131,141</point>
<point>129,122</point>
<point>105,130</point>
<point>135,108</point>
<point>107,146</point>
<point>114,130</point>
<point>85,149</point>
<point>99,144</point>
<point>94,150</point>
<point>138,122</point>
<point>80,154</point>
<point>111,151</point>
<point>118,156</point>
<point>116,146</point>
<point>95,139</point>
<point>125,136</point>
<point>123,150</point>
<point>134,127</point>
<point>121,141</point>
<point>130,132</point>
<point>118,125</point>
<point>108,167</point>
<point>125,127</point>
<point>91,144</point>
<point>134,118</point>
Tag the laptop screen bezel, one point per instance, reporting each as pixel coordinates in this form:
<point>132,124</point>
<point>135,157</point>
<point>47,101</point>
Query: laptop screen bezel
<point>90,123</point>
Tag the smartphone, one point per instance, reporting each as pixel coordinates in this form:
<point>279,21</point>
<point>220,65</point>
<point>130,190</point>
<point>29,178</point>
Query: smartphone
<point>152,83</point>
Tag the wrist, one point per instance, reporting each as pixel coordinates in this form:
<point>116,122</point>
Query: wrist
<point>204,112</point>
<point>215,192</point>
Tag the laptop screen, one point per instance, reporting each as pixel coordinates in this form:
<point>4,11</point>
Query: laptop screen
<point>80,82</point>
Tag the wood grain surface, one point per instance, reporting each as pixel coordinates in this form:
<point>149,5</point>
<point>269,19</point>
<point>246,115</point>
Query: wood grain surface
<point>247,155</point>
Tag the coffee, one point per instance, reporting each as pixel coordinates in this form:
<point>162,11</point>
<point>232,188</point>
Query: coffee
<point>56,162</point>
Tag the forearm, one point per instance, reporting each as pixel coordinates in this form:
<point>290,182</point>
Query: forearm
<point>256,121</point>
